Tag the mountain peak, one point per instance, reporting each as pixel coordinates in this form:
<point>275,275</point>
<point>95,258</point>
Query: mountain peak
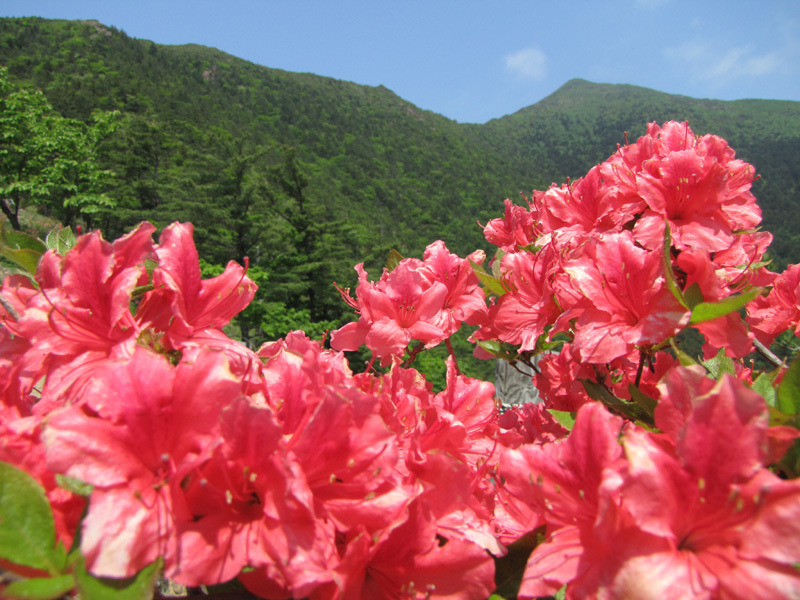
<point>576,84</point>
<point>581,89</point>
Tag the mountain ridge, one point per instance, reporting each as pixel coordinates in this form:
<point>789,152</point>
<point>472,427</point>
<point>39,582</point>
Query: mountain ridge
<point>419,174</point>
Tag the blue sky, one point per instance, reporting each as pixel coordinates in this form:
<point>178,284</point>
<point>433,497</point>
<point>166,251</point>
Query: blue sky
<point>477,60</point>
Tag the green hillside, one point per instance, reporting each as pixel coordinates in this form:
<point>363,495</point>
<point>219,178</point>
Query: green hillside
<point>308,175</point>
<point>587,121</point>
<point>366,150</point>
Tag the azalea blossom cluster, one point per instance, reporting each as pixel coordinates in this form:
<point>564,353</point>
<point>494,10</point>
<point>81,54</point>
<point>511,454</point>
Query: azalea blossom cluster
<point>644,473</point>
<point>688,512</point>
<point>425,300</point>
<point>588,261</point>
<point>280,466</point>
<point>599,276</point>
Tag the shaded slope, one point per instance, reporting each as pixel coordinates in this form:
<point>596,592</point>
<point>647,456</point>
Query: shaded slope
<point>403,175</point>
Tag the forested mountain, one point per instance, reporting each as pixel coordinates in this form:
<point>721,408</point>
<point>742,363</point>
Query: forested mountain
<point>308,175</point>
<point>582,123</point>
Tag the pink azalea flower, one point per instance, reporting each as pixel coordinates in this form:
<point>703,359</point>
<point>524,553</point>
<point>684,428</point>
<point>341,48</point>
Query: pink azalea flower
<point>517,229</point>
<point>779,310</point>
<point>144,427</point>
<point>470,402</point>
<point>529,423</point>
<point>588,206</point>
<point>558,380</point>
<point>690,513</point>
<point>701,191</point>
<point>571,485</point>
<point>740,265</point>
<point>402,306</point>
<point>82,316</point>
<point>18,366</point>
<point>621,374</point>
<point>465,300</point>
<point>626,300</point>
<point>20,445</point>
<point>450,461</point>
<point>251,506</point>
<point>338,438</point>
<point>695,184</point>
<point>724,521</point>
<point>684,190</point>
<point>182,303</point>
<point>348,456</point>
<point>729,331</point>
<point>410,562</point>
<point>467,409</point>
<point>86,293</point>
<point>522,313</point>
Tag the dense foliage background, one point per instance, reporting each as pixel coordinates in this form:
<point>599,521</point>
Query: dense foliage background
<point>307,175</point>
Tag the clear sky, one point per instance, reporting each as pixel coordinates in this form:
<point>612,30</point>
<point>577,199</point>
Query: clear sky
<point>474,60</point>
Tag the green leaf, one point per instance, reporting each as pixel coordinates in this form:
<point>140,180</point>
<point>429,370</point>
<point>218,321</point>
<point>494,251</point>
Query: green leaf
<point>566,419</point>
<point>532,248</point>
<point>789,390</point>
<point>27,530</point>
<point>764,386</point>
<point>778,417</point>
<point>683,358</point>
<point>150,266</point>
<point>19,240</point>
<point>545,345</point>
<point>669,274</point>
<point>510,568</point>
<point>138,587</point>
<point>499,349</point>
<point>706,311</point>
<point>394,259</point>
<point>497,261</point>
<point>491,346</point>
<point>789,464</point>
<point>719,365</point>
<point>39,588</point>
<point>600,392</point>
<point>23,249</point>
<point>647,403</point>
<point>24,258</point>
<point>693,295</point>
<point>490,282</point>
<point>60,240</point>
<point>76,486</point>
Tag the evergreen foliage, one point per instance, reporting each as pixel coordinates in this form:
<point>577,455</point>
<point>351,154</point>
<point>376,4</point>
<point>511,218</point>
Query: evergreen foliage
<point>307,175</point>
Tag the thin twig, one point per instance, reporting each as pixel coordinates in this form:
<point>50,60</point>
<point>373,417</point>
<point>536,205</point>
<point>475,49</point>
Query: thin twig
<point>640,369</point>
<point>767,353</point>
<point>413,354</point>
<point>514,366</point>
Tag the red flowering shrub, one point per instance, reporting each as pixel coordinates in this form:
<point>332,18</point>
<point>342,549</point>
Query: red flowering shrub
<point>137,429</point>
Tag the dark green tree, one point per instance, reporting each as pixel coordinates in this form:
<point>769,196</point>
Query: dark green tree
<point>314,243</point>
<point>228,196</point>
<point>142,155</point>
